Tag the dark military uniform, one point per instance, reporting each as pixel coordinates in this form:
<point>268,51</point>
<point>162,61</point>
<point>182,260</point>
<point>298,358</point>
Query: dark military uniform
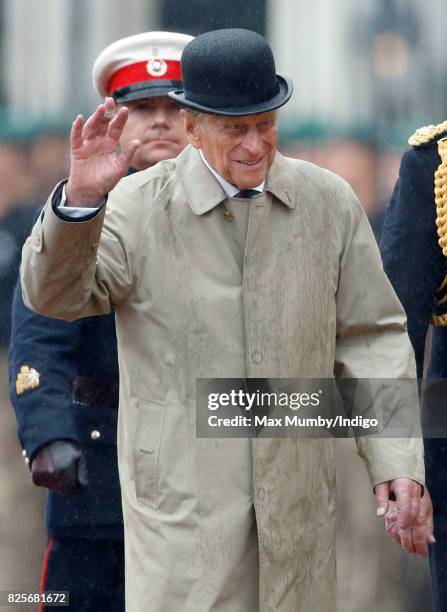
<point>15,226</point>
<point>414,254</point>
<point>64,386</point>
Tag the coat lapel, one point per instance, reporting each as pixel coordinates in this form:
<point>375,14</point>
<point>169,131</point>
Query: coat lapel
<point>202,190</point>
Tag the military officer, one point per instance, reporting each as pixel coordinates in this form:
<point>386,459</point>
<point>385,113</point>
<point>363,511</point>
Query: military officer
<point>64,376</point>
<point>414,252</point>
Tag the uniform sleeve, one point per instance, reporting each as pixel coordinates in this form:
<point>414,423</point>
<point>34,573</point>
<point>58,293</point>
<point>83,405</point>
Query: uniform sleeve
<point>409,247</point>
<point>372,343</point>
<point>42,365</point>
<point>79,269</point>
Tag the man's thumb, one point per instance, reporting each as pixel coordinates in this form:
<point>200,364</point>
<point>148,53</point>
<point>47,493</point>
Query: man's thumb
<point>128,151</point>
<point>382,492</point>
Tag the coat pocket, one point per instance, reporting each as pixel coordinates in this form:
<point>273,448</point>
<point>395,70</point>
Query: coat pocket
<point>149,429</point>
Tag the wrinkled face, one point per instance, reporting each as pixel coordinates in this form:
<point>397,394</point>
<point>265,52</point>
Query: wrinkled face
<point>157,123</point>
<point>241,149</point>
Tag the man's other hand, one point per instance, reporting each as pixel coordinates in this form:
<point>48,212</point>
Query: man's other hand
<point>61,467</point>
<point>408,519</point>
<point>97,160</point>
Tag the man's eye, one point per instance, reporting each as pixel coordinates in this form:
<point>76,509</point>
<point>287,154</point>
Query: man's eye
<point>265,125</point>
<point>140,107</point>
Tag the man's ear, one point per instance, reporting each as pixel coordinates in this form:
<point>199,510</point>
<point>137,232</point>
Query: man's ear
<point>191,128</point>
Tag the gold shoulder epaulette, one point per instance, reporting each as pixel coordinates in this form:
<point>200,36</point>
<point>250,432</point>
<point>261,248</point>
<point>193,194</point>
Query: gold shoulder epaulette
<point>426,134</point>
<point>441,196</point>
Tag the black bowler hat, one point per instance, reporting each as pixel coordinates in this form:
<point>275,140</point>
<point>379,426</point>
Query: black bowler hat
<point>231,72</point>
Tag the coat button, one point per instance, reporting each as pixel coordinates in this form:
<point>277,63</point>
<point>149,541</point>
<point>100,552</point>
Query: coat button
<point>37,241</point>
<point>257,357</point>
<point>95,434</point>
<point>261,493</point>
<point>23,453</point>
<point>228,216</point>
<point>26,460</point>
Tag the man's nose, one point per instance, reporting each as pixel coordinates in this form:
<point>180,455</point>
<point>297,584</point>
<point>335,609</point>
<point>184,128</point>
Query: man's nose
<point>159,118</point>
<point>252,141</point>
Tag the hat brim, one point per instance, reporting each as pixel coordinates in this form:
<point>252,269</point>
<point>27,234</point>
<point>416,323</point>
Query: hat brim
<point>140,91</point>
<point>285,91</point>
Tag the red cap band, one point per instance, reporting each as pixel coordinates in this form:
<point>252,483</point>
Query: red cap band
<point>153,70</point>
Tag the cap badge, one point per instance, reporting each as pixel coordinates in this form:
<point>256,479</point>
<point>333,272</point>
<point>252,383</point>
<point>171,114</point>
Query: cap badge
<point>157,67</point>
<point>27,379</point>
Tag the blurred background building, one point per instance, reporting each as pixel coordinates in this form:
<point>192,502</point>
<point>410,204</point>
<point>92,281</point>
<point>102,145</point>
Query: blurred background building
<point>366,74</point>
<point>356,66</point>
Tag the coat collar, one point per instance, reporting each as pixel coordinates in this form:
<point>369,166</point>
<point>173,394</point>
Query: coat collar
<point>280,181</point>
<point>204,192</point>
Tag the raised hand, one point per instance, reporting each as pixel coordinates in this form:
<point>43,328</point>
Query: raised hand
<point>97,160</point>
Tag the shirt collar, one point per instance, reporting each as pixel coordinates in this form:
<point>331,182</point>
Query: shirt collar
<point>229,189</point>
<point>203,191</point>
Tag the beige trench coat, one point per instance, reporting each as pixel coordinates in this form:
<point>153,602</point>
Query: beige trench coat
<point>309,297</point>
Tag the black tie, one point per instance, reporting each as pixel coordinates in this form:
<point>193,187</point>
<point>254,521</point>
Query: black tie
<point>246,193</point>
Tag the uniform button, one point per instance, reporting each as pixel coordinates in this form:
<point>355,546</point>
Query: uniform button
<point>228,216</point>
<point>95,434</point>
<point>261,494</point>
<point>257,357</point>
<point>24,453</point>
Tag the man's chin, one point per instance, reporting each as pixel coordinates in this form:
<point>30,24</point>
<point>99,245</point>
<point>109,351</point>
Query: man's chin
<point>249,180</point>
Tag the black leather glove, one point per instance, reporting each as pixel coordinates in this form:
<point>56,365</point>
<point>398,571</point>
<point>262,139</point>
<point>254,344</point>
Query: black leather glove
<point>61,467</point>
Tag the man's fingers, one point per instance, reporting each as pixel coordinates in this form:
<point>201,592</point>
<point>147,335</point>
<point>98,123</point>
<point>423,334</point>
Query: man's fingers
<point>391,520</point>
<point>393,532</point>
<point>420,540</point>
<point>76,132</point>
<point>408,498</point>
<point>93,123</point>
<point>128,152</point>
<point>382,492</point>
<point>117,123</point>
<point>110,108</point>
<point>415,510</point>
<point>406,540</point>
<point>414,540</point>
<point>428,511</point>
<point>403,503</point>
<point>108,111</point>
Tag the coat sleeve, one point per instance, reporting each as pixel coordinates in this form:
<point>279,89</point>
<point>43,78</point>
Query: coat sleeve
<point>48,348</point>
<point>78,269</point>
<point>412,258</point>
<point>372,343</point>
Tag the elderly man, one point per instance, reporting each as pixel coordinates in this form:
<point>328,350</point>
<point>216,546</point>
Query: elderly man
<point>229,261</point>
<point>64,376</point>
